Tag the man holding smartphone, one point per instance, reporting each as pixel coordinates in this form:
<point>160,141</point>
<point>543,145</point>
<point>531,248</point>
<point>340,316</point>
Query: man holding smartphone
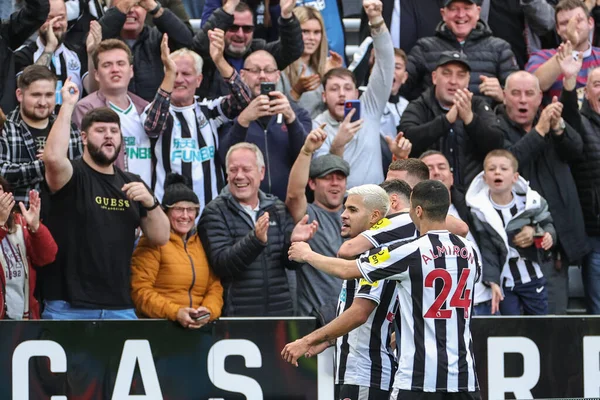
<point>358,142</point>
<point>277,127</point>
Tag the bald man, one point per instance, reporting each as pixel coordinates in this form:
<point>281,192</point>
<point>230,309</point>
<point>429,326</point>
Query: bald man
<point>544,146</point>
<point>277,127</point>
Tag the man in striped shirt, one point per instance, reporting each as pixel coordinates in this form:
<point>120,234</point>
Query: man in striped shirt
<point>574,25</point>
<point>365,362</point>
<point>435,275</point>
<point>396,226</point>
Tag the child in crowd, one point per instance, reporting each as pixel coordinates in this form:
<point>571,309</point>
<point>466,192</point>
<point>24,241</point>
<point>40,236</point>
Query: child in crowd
<point>515,233</point>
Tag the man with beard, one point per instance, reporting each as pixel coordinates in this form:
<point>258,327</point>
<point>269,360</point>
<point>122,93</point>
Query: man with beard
<point>95,209</point>
<point>52,51</point>
<point>26,129</point>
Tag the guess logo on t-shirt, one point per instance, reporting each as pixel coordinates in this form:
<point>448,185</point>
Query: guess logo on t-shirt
<point>112,204</point>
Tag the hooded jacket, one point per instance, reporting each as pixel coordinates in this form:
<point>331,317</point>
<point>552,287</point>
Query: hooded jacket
<point>544,162</point>
<point>494,239</point>
<point>252,273</point>
<point>487,55</point>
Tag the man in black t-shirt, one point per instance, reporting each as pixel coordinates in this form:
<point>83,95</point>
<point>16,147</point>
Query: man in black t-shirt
<point>95,209</point>
<point>25,131</point>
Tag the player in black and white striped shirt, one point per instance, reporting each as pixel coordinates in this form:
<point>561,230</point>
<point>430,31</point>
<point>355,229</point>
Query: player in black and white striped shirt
<point>396,226</point>
<point>365,364</point>
<point>435,276</point>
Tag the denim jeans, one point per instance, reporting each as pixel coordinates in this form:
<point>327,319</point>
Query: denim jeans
<point>591,276</point>
<point>60,309</point>
<point>531,297</point>
<point>484,308</point>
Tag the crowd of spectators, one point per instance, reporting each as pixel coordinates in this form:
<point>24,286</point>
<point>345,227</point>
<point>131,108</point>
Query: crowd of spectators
<point>147,170</point>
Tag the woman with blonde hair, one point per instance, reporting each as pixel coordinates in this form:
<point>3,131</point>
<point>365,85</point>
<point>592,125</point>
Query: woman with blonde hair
<point>302,79</point>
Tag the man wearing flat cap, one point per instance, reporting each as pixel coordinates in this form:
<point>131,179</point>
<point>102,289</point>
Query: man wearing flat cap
<point>448,118</point>
<point>461,30</point>
<point>326,176</point>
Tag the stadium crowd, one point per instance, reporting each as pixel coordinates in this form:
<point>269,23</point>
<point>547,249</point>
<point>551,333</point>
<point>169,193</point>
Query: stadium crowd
<point>150,171</point>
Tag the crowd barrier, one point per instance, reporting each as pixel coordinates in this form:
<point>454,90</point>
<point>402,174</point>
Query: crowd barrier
<point>237,358</point>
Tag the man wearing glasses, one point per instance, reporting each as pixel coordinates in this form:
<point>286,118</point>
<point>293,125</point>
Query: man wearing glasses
<point>236,20</point>
<point>277,127</point>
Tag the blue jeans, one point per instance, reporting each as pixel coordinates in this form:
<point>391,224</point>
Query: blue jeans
<point>531,297</point>
<point>60,309</point>
<point>591,276</point>
<point>484,308</point>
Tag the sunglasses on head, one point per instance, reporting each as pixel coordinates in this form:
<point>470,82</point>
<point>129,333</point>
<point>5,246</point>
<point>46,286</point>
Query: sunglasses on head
<point>245,28</point>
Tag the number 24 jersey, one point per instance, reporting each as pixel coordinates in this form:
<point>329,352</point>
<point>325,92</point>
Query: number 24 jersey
<point>435,275</point>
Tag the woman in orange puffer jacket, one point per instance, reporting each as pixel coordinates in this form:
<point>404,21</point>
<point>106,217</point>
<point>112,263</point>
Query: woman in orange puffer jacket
<point>174,281</point>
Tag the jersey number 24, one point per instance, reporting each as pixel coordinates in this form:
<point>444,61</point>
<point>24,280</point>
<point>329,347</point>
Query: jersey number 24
<point>458,299</point>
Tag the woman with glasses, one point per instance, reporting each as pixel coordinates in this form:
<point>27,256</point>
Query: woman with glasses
<point>25,243</point>
<point>302,79</point>
<point>174,281</point>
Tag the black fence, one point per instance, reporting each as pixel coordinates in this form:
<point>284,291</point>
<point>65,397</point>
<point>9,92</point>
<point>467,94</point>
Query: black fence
<point>240,359</point>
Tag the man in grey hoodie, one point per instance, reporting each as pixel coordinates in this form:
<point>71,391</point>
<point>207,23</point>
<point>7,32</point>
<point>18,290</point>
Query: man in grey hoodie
<point>358,142</point>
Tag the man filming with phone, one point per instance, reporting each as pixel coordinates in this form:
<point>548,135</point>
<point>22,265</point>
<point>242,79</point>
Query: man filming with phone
<point>354,134</point>
<point>277,127</point>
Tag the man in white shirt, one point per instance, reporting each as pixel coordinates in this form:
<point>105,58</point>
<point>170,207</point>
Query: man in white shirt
<point>113,64</point>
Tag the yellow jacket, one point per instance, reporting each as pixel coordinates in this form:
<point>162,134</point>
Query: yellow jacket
<point>166,278</point>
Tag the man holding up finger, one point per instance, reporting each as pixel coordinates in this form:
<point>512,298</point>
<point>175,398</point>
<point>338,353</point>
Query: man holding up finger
<point>447,118</point>
<point>358,142</point>
<point>95,209</point>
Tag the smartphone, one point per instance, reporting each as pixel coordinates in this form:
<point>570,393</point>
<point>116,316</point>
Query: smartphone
<point>199,317</point>
<point>266,88</point>
<point>352,104</point>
